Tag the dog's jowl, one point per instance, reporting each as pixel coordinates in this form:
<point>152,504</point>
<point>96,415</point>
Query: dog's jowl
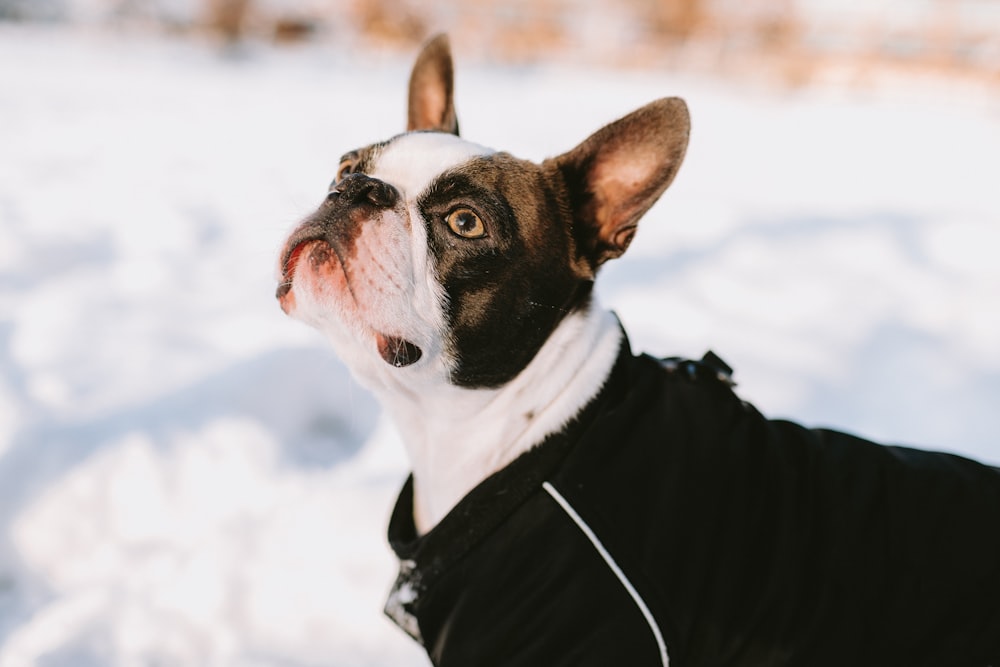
<point>574,504</point>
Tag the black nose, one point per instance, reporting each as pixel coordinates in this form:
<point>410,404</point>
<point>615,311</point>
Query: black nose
<point>359,189</point>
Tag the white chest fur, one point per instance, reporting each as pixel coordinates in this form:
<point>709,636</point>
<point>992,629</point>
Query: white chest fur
<point>457,437</point>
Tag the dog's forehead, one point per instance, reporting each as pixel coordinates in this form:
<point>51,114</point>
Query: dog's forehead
<point>411,162</point>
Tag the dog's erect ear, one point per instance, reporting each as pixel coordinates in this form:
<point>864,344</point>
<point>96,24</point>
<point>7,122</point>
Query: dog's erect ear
<point>619,172</point>
<point>432,104</point>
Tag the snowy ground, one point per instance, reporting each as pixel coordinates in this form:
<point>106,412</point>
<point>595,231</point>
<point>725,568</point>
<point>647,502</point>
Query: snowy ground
<point>189,478</point>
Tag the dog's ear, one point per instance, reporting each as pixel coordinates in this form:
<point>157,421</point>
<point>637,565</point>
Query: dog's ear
<point>431,100</point>
<point>619,172</point>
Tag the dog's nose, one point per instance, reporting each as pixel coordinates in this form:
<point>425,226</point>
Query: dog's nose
<point>356,189</point>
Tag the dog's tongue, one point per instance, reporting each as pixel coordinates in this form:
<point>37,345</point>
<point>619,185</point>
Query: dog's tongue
<point>397,351</point>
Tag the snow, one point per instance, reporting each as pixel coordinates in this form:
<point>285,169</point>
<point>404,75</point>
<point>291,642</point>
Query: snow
<point>188,477</point>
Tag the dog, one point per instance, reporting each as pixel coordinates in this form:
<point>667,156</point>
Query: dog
<point>574,504</point>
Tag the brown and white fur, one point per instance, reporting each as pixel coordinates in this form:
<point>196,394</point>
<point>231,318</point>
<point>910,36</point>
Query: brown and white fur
<point>456,281</point>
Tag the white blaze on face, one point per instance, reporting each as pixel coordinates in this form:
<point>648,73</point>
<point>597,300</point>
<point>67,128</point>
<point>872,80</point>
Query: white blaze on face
<point>385,285</point>
<point>413,161</point>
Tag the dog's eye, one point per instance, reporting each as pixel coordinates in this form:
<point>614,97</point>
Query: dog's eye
<point>465,223</point>
<point>346,167</point>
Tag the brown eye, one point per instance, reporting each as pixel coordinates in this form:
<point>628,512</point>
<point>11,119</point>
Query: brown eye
<point>465,223</point>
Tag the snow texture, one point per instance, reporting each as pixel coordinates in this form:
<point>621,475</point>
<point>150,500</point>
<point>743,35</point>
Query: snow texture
<point>187,477</point>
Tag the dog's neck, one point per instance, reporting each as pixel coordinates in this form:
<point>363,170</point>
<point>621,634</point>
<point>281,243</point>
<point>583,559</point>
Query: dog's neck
<point>457,437</point>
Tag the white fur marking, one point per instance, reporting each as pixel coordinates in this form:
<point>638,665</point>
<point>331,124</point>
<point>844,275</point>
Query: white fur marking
<point>456,437</point>
<point>412,161</point>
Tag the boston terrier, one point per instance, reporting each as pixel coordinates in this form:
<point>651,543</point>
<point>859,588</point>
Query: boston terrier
<point>574,504</point>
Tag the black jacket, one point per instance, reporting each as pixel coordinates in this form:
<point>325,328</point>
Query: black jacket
<point>671,517</point>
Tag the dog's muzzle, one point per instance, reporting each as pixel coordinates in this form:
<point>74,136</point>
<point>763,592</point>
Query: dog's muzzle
<point>334,228</point>
<point>354,200</point>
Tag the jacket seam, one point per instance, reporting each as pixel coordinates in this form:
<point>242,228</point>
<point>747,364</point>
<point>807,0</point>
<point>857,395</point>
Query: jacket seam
<point>609,560</point>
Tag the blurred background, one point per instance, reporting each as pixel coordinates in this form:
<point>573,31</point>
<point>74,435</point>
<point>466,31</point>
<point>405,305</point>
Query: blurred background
<point>793,41</point>
<point>796,41</point>
<point>187,477</point>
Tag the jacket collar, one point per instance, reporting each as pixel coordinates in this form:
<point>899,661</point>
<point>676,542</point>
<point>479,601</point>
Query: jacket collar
<point>424,557</point>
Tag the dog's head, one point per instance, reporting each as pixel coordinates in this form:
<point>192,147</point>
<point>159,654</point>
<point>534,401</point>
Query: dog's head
<point>436,259</point>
